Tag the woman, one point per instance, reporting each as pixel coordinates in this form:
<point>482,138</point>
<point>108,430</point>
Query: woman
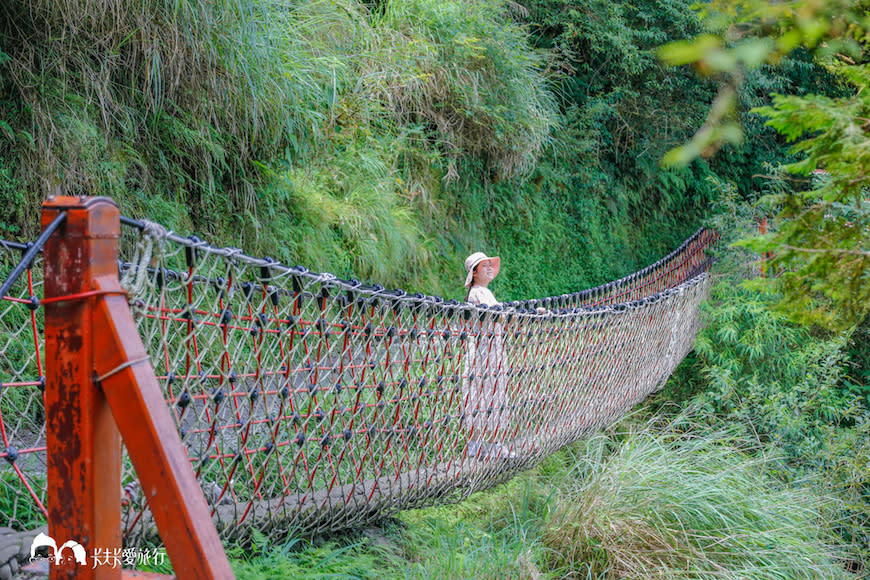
<point>481,271</point>
<point>487,417</point>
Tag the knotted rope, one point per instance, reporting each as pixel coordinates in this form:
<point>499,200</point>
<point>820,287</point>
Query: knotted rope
<point>311,403</point>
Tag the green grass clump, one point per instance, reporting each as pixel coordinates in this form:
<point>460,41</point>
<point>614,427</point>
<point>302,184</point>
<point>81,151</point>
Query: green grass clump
<point>493,534</point>
<point>306,560</point>
<point>673,504</point>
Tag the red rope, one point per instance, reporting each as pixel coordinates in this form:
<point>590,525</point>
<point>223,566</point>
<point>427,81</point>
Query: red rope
<point>81,295</point>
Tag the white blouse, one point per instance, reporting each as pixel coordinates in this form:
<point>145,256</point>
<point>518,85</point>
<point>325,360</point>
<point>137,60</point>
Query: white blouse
<point>481,295</point>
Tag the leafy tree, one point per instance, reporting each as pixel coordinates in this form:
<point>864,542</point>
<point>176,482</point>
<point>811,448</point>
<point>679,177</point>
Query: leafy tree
<point>821,236</point>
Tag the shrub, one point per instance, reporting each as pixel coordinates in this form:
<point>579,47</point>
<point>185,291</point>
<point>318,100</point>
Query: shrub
<point>663,501</point>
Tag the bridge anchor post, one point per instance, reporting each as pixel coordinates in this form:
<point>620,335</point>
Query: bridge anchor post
<point>100,387</point>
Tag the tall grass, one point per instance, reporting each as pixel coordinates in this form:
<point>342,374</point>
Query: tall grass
<point>141,93</point>
<point>673,504</point>
<point>319,132</point>
<point>494,534</point>
<point>643,500</point>
<point>462,70</point>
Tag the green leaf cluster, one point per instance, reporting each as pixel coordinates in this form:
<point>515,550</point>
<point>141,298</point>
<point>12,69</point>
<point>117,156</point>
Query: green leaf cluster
<point>744,36</point>
<point>820,240</point>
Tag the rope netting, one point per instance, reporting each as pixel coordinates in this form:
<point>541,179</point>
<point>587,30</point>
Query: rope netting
<point>311,403</point>
<point>22,381</point>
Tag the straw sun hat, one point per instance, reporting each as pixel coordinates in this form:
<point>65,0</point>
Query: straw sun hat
<point>475,259</point>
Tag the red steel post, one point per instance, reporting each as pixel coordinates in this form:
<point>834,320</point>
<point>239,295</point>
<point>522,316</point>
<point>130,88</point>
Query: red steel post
<point>95,337</point>
<point>83,444</point>
<point>160,458</point>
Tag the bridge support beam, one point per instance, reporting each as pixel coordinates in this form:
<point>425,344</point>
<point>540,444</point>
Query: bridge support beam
<point>98,379</point>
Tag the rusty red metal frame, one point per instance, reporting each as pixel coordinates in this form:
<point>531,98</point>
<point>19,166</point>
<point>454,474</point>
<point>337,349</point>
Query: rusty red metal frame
<point>100,387</point>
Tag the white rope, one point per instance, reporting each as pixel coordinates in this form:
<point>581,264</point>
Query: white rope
<point>121,367</point>
<point>152,234</point>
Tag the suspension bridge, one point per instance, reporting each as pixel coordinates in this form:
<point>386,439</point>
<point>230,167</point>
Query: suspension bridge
<point>307,403</point>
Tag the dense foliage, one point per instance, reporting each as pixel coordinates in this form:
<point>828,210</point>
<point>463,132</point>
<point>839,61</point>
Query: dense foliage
<point>385,140</point>
<point>801,392</point>
<point>821,235</point>
<point>799,395</point>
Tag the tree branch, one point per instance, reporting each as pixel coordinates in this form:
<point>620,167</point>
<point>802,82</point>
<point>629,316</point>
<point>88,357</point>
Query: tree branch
<point>828,251</point>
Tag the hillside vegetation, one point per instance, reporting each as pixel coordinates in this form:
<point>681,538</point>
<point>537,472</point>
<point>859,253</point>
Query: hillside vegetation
<point>385,140</point>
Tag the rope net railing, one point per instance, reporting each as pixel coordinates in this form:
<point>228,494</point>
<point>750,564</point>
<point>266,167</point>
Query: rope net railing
<point>309,403</point>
